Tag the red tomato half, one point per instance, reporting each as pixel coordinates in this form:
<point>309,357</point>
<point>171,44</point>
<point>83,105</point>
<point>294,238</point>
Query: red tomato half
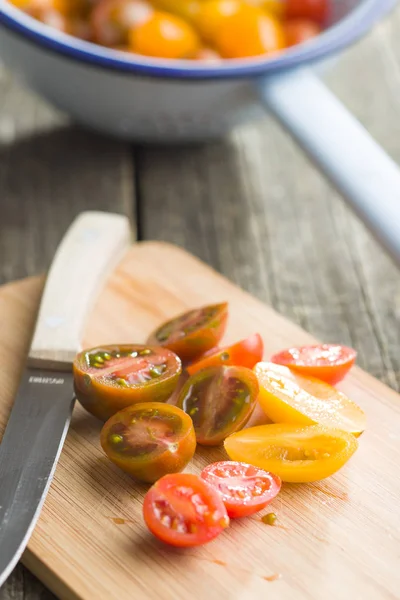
<point>316,10</point>
<point>244,489</point>
<point>193,333</point>
<point>246,353</point>
<point>183,510</point>
<point>327,362</point>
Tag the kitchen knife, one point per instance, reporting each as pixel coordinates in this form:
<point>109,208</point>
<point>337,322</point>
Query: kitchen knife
<point>43,405</point>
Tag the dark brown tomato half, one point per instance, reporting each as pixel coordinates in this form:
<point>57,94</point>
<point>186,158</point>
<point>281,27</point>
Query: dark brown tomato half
<point>220,401</point>
<point>110,378</point>
<point>149,440</point>
<point>193,333</point>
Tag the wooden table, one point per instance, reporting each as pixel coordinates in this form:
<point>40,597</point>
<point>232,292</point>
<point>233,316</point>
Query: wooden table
<point>251,206</point>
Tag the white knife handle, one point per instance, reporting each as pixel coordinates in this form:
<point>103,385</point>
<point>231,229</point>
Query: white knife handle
<point>91,248</point>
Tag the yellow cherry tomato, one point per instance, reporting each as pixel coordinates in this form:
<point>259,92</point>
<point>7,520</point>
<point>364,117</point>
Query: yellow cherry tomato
<point>212,13</point>
<point>274,7</point>
<point>249,32</point>
<point>294,453</point>
<point>165,36</point>
<point>187,9</point>
<point>287,397</point>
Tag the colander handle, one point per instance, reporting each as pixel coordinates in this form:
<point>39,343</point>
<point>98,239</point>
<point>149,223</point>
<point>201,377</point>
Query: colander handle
<point>362,172</point>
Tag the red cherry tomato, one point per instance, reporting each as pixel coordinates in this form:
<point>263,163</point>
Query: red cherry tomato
<point>111,378</point>
<point>194,332</point>
<point>246,353</point>
<point>298,31</point>
<point>112,20</point>
<point>149,440</point>
<point>183,510</point>
<point>220,401</point>
<point>327,362</point>
<point>316,10</point>
<point>244,489</point>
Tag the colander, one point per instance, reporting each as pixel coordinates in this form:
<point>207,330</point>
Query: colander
<point>138,98</point>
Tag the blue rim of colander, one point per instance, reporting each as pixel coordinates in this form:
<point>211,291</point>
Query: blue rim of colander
<point>340,35</point>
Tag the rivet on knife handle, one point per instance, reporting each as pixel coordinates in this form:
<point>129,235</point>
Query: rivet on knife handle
<point>90,250</point>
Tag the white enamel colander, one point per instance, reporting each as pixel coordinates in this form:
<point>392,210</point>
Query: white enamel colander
<point>139,98</point>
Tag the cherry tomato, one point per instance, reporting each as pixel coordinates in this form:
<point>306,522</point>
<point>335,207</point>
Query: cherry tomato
<point>111,378</point>
<point>294,453</point>
<point>112,20</point>
<point>287,397</point>
<point>208,55</point>
<point>328,362</point>
<point>211,15</point>
<point>193,333</point>
<point>187,9</point>
<point>274,7</point>
<point>149,440</point>
<point>183,510</point>
<point>246,353</point>
<point>249,32</point>
<point>220,400</point>
<point>298,31</point>
<point>166,36</point>
<point>316,10</point>
<point>244,489</point>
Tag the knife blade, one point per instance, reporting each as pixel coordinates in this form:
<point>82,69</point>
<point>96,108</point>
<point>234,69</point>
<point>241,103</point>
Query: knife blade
<point>42,409</point>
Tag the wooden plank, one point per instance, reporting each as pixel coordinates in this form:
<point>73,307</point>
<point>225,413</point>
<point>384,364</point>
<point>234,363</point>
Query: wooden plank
<point>49,172</point>
<point>336,538</point>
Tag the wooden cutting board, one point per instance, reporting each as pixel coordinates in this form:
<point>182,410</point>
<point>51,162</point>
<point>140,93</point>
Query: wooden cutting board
<point>338,538</point>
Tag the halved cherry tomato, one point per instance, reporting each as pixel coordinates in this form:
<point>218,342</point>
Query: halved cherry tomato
<point>183,510</point>
<point>194,332</point>
<point>246,353</point>
<point>149,440</point>
<point>287,397</point>
<point>316,10</point>
<point>244,489</point>
<point>328,362</point>
<point>220,400</point>
<point>110,378</point>
<point>112,20</point>
<point>294,453</point>
<point>249,32</point>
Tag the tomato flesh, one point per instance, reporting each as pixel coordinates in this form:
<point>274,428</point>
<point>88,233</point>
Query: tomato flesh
<point>294,453</point>
<point>111,378</point>
<point>220,400</point>
<point>246,353</point>
<point>287,397</point>
<point>193,333</point>
<point>149,440</point>
<point>244,489</point>
<point>184,511</point>
<point>328,362</point>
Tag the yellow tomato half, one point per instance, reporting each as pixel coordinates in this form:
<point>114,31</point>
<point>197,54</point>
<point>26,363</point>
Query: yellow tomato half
<point>294,453</point>
<point>274,7</point>
<point>287,397</point>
